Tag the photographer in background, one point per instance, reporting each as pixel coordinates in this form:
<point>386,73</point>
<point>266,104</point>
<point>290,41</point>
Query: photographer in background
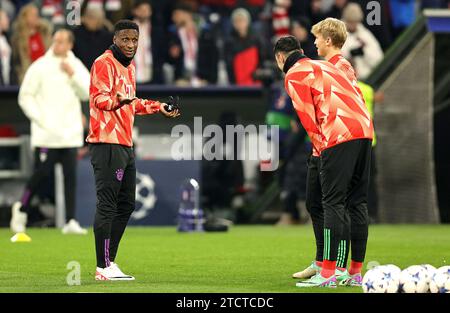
<point>93,36</point>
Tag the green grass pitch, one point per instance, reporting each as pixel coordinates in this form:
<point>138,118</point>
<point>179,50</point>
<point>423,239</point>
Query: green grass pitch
<point>245,259</point>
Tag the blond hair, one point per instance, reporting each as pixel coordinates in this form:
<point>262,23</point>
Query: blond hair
<point>331,28</point>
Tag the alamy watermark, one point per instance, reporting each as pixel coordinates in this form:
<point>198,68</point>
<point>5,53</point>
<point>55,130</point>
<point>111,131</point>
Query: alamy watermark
<point>73,17</point>
<point>73,278</point>
<point>374,13</point>
<point>73,9</point>
<point>232,142</point>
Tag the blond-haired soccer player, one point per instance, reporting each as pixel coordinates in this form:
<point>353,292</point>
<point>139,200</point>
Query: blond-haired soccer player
<point>330,35</point>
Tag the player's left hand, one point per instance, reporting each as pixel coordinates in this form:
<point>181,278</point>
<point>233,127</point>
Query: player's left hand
<point>171,108</point>
<point>171,114</point>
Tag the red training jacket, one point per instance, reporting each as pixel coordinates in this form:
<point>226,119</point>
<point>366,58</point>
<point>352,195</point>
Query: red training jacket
<point>111,122</point>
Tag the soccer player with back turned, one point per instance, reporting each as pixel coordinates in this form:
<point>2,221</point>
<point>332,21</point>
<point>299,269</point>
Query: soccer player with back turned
<point>341,131</point>
<point>112,108</point>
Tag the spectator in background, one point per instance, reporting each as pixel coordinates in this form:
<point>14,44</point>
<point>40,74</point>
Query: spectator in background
<point>403,14</point>
<point>223,8</point>
<point>315,11</point>
<point>254,7</point>
<point>115,10</point>
<point>93,36</point>
<point>293,183</point>
<point>5,51</point>
<point>192,49</point>
<point>361,48</point>
<point>256,10</point>
<point>31,36</point>
<point>53,11</point>
<point>336,9</point>
<point>280,18</point>
<point>162,13</point>
<point>312,9</point>
<point>244,52</point>
<point>300,29</point>
<point>50,97</point>
<point>381,31</point>
<point>299,8</point>
<point>9,8</point>
<point>150,53</point>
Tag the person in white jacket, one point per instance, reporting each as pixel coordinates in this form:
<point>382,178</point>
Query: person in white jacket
<point>362,49</point>
<point>50,96</point>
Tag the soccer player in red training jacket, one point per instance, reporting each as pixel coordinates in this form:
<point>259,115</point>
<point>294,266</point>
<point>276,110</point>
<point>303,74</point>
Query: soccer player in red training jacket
<point>113,105</point>
<point>341,131</point>
<point>330,35</point>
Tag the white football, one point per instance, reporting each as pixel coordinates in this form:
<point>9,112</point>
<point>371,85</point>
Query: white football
<point>391,279</point>
<point>370,281</point>
<point>381,279</point>
<point>440,282</point>
<point>414,280</point>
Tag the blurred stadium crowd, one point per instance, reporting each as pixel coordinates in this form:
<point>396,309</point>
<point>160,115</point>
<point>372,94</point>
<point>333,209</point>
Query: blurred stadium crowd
<point>197,42</point>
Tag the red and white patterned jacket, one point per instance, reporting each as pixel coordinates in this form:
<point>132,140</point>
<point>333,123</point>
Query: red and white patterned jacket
<point>345,66</point>
<point>111,122</point>
<point>328,106</point>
